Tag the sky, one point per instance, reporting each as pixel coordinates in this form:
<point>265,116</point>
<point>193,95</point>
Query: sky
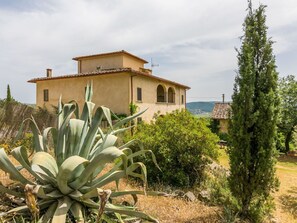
<point>192,41</point>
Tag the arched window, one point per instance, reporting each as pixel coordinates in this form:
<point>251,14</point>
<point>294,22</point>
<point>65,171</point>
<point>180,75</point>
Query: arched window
<point>160,93</point>
<point>171,95</point>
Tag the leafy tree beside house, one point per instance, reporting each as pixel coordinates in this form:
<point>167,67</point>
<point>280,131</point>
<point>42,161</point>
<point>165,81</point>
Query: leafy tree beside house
<point>182,144</point>
<point>253,125</point>
<point>288,117</point>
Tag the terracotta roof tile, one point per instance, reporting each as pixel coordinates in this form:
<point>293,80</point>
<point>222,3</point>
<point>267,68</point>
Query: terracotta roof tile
<point>221,110</point>
<point>106,72</point>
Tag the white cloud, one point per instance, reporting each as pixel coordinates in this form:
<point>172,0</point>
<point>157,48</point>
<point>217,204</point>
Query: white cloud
<point>193,41</point>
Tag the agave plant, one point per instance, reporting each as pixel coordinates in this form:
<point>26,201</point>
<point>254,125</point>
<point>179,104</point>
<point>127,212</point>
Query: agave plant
<point>67,171</point>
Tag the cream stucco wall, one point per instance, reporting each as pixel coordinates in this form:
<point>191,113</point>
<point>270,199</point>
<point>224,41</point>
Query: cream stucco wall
<point>224,125</point>
<point>110,90</point>
<point>132,62</point>
<point>149,96</point>
<point>86,65</point>
<point>107,62</point>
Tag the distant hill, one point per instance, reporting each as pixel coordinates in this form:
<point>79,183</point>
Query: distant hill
<point>200,107</point>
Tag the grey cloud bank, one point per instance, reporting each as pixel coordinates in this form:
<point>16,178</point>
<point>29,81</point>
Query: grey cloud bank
<point>192,41</point>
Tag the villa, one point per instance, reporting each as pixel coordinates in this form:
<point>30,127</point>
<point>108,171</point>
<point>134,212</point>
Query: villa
<point>119,79</point>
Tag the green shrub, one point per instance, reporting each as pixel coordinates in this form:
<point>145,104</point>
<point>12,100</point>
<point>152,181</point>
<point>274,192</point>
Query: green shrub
<point>182,144</point>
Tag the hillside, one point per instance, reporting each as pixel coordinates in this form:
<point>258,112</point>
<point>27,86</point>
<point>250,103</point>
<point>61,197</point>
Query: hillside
<point>200,107</point>
<point>13,114</point>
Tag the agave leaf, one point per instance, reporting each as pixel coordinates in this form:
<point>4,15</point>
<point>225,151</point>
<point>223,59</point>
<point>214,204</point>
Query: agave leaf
<point>76,112</point>
<point>46,162</point>
<point>102,158</point>
<point>133,142</point>
<point>45,137</point>
<point>126,211</point>
<point>134,166</point>
<point>92,132</point>
<point>20,131</point>
<point>41,204</point>
<point>136,192</point>
<point>119,217</point>
<point>107,115</point>
<point>101,181</point>
<point>39,190</point>
<point>142,152</point>
<point>127,119</point>
<point>89,92</point>
<point>118,131</point>
<point>64,205</point>
<point>20,154</point>
<point>91,135</point>
<point>47,178</point>
<point>7,166</point>
<point>108,141</point>
<point>46,218</point>
<point>76,210</point>
<point>87,111</point>
<point>38,145</point>
<point>60,110</point>
<point>65,170</point>
<point>68,110</point>
<point>76,127</point>
<point>9,191</point>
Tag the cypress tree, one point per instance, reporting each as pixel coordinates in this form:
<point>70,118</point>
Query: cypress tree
<point>8,95</point>
<point>254,118</point>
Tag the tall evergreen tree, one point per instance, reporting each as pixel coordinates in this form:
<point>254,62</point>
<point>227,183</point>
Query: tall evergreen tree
<point>254,118</point>
<point>8,95</point>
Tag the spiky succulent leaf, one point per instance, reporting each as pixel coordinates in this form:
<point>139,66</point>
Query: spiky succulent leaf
<point>68,173</point>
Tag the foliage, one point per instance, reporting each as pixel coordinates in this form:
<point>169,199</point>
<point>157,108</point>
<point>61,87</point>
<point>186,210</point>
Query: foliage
<point>26,142</point>
<point>133,108</point>
<point>288,105</point>
<point>214,125</point>
<point>224,136</point>
<point>182,145</point>
<point>253,125</point>
<point>68,179</point>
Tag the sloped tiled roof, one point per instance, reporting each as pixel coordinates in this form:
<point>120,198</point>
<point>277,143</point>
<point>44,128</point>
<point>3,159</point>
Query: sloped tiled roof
<point>106,72</point>
<point>221,110</point>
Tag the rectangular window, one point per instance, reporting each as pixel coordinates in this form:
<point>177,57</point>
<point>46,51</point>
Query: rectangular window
<point>45,95</point>
<point>182,99</point>
<point>139,94</point>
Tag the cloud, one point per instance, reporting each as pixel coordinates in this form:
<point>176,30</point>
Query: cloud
<point>192,41</point>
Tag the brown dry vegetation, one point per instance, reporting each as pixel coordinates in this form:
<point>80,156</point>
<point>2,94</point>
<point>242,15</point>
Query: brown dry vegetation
<point>286,196</point>
<point>173,210</point>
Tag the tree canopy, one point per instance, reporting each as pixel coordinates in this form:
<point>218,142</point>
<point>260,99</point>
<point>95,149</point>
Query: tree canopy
<point>288,117</point>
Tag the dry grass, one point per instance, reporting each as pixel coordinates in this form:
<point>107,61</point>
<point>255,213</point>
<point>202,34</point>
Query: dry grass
<point>172,210</point>
<point>286,196</point>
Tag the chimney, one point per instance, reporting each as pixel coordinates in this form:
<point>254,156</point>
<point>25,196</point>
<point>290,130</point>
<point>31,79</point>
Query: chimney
<point>48,72</point>
<point>223,98</point>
